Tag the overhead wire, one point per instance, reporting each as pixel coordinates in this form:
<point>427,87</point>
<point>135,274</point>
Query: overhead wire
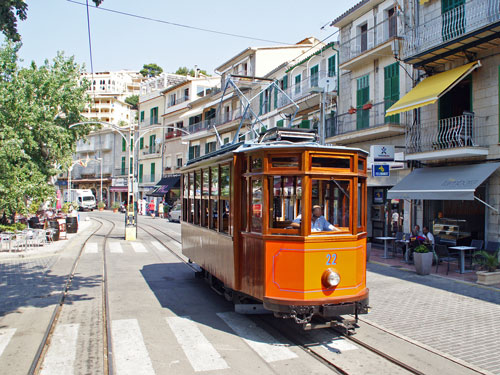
<point>90,51</point>
<point>176,24</point>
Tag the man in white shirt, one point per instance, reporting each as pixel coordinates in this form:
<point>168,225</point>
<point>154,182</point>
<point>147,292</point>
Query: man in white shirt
<point>318,221</point>
<point>429,237</point>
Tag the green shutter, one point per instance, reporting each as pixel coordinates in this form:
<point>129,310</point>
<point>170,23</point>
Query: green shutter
<point>261,100</point>
<point>141,143</point>
<point>331,66</point>
<point>191,152</point>
<point>152,172</point>
<point>305,124</point>
<point>151,116</point>
<point>124,145</point>
<point>207,148</point>
<point>314,76</point>
<point>275,96</point>
<point>123,165</point>
<point>130,165</point>
<point>141,171</point>
<point>142,116</point>
<point>285,82</point>
<point>391,90</point>
<point>269,100</point>
<point>279,123</point>
<point>362,97</point>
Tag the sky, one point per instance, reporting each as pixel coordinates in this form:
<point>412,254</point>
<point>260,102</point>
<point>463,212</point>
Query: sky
<point>121,42</point>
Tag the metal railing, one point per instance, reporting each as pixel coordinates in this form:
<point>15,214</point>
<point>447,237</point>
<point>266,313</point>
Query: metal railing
<point>149,121</point>
<point>180,100</point>
<point>371,117</point>
<point>221,119</point>
<point>471,16</point>
<point>120,172</point>
<point>147,179</point>
<point>92,169</point>
<point>370,38</point>
<point>448,133</point>
<point>173,134</point>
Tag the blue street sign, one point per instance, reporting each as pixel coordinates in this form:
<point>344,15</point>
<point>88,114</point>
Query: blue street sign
<point>380,170</point>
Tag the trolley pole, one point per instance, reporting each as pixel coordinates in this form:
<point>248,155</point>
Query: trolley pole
<point>130,218</point>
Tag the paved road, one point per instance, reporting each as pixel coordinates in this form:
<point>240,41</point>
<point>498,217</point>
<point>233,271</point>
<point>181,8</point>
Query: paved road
<point>164,321</point>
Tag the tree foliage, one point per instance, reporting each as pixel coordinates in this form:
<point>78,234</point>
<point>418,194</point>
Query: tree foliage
<point>184,71</point>
<point>133,100</point>
<point>11,11</point>
<point>151,70</point>
<point>37,106</point>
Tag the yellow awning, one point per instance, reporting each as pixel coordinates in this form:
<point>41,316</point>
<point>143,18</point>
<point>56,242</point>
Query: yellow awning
<point>431,89</point>
<point>422,2</point>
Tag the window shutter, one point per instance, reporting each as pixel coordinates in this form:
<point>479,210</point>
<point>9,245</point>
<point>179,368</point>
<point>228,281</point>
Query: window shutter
<point>285,82</point>
<point>123,165</point>
<point>275,97</point>
<point>124,145</point>
<point>152,172</point>
<point>279,123</point>
<point>191,152</point>
<point>261,99</point>
<point>207,148</point>
<point>305,124</point>
<point>141,170</point>
<point>141,143</point>
<point>142,116</point>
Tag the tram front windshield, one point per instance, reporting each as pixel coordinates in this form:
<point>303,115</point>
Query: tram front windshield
<point>332,197</point>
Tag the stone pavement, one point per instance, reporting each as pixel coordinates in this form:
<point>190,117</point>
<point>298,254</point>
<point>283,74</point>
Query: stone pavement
<point>459,319</point>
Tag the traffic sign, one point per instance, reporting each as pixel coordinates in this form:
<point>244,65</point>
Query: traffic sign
<point>380,170</point>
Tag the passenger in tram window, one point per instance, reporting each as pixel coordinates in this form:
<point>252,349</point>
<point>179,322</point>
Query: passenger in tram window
<point>318,221</point>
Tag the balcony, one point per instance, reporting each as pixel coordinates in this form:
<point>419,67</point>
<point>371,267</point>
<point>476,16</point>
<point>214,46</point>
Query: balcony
<point>147,179</point>
<point>366,125</point>
<point>202,125</point>
<point>466,26</point>
<point>180,100</point>
<point>149,121</point>
<point>173,134</point>
<point>300,91</point>
<point>453,137</point>
<point>93,169</point>
<point>150,152</point>
<point>369,42</point>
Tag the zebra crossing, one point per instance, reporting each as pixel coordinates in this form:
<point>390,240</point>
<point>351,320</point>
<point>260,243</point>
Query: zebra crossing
<point>117,247</point>
<point>130,349</point>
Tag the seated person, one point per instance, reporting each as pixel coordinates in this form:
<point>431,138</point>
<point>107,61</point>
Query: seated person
<point>318,221</point>
<point>429,237</point>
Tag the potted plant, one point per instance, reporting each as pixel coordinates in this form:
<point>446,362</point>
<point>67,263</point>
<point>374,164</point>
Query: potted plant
<point>488,263</point>
<point>115,206</point>
<point>368,249</point>
<point>101,206</point>
<point>422,257</point>
<point>368,105</point>
<point>352,110</point>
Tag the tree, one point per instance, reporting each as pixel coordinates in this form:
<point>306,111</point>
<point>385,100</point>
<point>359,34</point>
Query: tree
<point>184,71</point>
<point>151,70</point>
<point>133,100</point>
<point>10,11</point>
<point>37,106</point>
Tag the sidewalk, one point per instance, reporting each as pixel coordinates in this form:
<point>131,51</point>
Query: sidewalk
<point>449,315</point>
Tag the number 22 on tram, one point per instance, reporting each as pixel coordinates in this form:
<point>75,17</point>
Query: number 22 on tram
<point>281,224</point>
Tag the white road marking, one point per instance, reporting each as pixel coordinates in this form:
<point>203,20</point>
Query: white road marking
<point>61,354</point>
<point>138,247</point>
<point>158,245</point>
<point>5,336</point>
<point>200,353</point>
<point>340,345</point>
<point>131,355</point>
<point>115,247</point>
<point>91,248</point>
<point>265,345</point>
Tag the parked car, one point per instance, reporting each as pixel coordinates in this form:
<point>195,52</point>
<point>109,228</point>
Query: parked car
<point>175,214</point>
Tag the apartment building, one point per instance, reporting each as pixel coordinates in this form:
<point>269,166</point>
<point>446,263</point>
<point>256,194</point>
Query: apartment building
<point>371,79</point>
<point>453,142</point>
<point>105,148</point>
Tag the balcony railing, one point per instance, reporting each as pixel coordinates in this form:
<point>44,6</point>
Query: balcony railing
<point>464,19</point>
<point>93,169</point>
<point>147,179</point>
<point>149,121</point>
<point>202,125</point>
<point>300,90</point>
<point>362,119</point>
<point>449,133</point>
<point>180,100</point>
<point>173,134</point>
<point>369,39</point>
<point>222,119</point>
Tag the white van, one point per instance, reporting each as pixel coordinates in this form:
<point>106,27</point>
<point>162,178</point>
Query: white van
<point>84,198</point>
<point>175,214</point>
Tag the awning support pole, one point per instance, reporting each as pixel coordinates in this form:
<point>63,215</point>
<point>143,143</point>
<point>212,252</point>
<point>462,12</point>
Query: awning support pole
<point>486,204</point>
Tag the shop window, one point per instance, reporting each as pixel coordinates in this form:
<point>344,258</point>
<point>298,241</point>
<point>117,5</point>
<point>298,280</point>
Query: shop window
<point>225,180</point>
<point>285,193</point>
<point>326,162</point>
<point>333,198</point>
<point>256,214</point>
<point>214,197</point>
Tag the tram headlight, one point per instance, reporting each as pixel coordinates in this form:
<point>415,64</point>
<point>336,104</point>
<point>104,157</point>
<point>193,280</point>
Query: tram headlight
<point>330,278</point>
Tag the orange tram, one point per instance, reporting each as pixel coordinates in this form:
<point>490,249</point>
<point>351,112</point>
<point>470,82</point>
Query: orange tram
<point>282,222</point>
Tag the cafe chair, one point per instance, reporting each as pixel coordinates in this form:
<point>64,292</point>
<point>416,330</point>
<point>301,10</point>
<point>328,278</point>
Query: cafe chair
<point>492,246</point>
<point>478,245</point>
<point>442,255</point>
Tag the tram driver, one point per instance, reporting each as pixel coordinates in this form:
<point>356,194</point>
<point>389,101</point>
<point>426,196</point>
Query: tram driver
<point>318,221</point>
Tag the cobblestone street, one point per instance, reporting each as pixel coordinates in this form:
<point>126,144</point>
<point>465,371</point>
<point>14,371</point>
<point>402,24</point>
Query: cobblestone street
<point>455,318</point>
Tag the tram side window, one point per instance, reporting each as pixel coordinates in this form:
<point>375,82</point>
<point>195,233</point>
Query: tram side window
<point>214,197</point>
<point>333,198</point>
<point>256,189</point>
<point>225,180</point>
<point>205,195</point>
<point>191,198</point>
<point>361,202</point>
<point>197,197</point>
<point>286,197</point>
<point>185,196</point>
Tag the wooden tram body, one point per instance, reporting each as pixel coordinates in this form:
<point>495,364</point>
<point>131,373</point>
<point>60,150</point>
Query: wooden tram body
<point>238,207</point>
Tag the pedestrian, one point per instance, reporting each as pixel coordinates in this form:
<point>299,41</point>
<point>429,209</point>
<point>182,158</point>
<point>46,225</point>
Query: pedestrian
<point>160,210</point>
<point>152,208</point>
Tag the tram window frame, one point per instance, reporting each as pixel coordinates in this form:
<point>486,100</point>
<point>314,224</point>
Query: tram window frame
<point>214,198</point>
<point>350,158</point>
<point>298,204</point>
<point>362,205</point>
<point>326,207</point>
<point>191,198</point>
<point>205,196</point>
<point>362,166</point>
<point>285,156</point>
<point>197,197</point>
<point>185,196</point>
<point>256,163</point>
<point>255,219</point>
<point>224,201</point>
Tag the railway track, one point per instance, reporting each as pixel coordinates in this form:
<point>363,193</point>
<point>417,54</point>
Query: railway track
<point>37,362</point>
<point>287,333</point>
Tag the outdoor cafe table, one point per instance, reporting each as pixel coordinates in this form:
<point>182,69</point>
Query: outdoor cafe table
<point>385,239</point>
<point>462,250</point>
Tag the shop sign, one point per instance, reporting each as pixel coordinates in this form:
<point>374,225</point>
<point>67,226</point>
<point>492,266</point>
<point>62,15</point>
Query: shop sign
<point>378,196</point>
<point>380,170</point>
<point>119,182</point>
<point>382,152</point>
